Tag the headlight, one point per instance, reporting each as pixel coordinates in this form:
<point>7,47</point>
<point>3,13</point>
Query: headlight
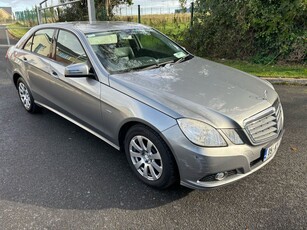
<point>201,133</point>
<point>233,136</point>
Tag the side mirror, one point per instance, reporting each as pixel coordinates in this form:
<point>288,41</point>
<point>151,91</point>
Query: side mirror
<point>78,70</point>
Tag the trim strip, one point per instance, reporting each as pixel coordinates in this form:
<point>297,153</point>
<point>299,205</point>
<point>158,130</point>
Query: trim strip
<point>78,124</point>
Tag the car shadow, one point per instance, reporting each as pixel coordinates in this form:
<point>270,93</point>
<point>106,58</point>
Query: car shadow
<point>56,164</point>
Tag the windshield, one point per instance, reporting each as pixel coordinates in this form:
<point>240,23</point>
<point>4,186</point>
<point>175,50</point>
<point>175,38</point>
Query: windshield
<point>136,49</point>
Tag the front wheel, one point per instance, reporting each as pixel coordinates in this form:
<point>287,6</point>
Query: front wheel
<point>149,157</point>
<point>26,97</point>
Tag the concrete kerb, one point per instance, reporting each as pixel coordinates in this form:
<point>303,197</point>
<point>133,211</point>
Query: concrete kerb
<point>287,81</point>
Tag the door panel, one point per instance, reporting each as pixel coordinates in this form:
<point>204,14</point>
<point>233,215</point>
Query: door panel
<point>78,98</point>
<point>38,70</point>
<point>36,58</point>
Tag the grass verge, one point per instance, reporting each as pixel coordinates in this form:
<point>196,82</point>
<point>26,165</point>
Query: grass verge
<point>170,24</point>
<point>269,71</point>
<point>17,30</point>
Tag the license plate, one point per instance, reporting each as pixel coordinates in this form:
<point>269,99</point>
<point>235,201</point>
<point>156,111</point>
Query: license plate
<point>269,152</point>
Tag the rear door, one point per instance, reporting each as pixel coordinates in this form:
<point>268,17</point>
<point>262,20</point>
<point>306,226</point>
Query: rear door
<point>35,57</point>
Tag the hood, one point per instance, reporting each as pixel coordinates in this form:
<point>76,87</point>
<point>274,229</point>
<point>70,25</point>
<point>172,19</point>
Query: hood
<point>199,89</point>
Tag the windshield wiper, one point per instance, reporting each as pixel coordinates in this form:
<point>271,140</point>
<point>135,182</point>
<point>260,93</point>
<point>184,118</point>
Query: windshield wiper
<point>145,67</point>
<point>185,58</point>
<point>166,62</point>
<point>158,65</point>
<point>153,66</point>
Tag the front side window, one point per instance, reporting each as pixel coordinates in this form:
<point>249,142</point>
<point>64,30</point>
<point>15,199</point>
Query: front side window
<point>69,50</point>
<point>134,49</point>
<point>42,42</point>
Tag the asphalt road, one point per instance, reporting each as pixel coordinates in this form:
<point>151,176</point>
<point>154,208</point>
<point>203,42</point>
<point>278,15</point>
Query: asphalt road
<point>3,39</point>
<point>54,175</point>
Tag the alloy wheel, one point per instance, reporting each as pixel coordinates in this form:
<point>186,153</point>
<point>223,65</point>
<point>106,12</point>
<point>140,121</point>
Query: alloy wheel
<point>24,95</point>
<point>146,158</point>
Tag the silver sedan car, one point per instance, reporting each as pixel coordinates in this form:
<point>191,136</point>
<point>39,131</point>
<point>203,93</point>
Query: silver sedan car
<point>176,116</point>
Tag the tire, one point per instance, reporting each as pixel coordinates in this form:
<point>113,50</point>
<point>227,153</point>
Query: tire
<point>26,97</point>
<point>150,158</point>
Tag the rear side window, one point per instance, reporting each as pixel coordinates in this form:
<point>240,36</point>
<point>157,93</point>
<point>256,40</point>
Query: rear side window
<point>69,49</point>
<point>42,42</point>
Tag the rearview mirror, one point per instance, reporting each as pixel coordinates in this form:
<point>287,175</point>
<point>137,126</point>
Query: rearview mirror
<point>78,70</point>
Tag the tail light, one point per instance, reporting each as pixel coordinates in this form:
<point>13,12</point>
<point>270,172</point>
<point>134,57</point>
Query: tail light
<point>7,53</point>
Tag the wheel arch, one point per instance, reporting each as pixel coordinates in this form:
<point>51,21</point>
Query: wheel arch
<point>16,76</point>
<point>128,124</point>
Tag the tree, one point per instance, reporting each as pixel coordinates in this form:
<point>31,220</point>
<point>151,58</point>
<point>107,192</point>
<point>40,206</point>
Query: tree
<point>78,11</point>
<point>104,8</point>
<point>73,12</point>
<point>183,5</point>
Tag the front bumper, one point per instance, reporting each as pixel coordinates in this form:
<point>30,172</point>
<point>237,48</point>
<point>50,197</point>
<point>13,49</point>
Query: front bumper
<point>196,163</point>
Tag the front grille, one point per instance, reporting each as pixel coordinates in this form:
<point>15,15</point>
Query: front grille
<point>266,125</point>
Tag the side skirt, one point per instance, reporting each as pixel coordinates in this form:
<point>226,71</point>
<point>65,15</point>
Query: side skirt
<point>80,125</point>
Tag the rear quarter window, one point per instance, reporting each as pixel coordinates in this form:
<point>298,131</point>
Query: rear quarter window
<point>28,45</point>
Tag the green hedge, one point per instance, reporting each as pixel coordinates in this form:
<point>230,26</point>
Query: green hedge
<point>17,30</point>
<point>263,31</point>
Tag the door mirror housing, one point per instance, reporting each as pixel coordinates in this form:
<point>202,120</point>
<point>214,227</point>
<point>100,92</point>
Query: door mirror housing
<point>78,70</point>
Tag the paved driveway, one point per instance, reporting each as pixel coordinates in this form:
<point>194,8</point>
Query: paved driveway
<point>54,175</point>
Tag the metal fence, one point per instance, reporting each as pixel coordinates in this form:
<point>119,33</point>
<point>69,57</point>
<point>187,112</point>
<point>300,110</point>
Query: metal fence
<point>170,20</point>
<point>130,13</point>
<point>145,10</point>
<point>27,17</point>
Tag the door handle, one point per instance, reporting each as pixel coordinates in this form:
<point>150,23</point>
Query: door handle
<point>54,73</point>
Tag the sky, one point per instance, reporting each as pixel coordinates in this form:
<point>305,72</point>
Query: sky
<point>19,5</point>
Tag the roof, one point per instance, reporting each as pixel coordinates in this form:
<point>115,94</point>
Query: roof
<point>7,9</point>
<point>87,27</point>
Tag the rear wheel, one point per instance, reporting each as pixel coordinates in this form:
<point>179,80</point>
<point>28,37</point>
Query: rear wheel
<point>149,157</point>
<point>26,97</point>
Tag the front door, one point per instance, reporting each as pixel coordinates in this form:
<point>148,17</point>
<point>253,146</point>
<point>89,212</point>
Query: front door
<point>77,98</point>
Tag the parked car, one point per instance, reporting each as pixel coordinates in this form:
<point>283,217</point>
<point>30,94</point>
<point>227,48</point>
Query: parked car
<point>176,116</point>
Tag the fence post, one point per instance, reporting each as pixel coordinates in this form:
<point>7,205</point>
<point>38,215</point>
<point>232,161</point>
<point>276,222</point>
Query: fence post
<point>45,15</point>
<point>32,16</point>
<point>27,13</point>
<point>192,14</point>
<point>91,10</point>
<point>23,17</point>
<point>39,16</point>
<point>139,14</point>
<point>7,37</point>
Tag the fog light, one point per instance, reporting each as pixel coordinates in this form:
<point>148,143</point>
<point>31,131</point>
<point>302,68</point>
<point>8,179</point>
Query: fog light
<point>220,176</point>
